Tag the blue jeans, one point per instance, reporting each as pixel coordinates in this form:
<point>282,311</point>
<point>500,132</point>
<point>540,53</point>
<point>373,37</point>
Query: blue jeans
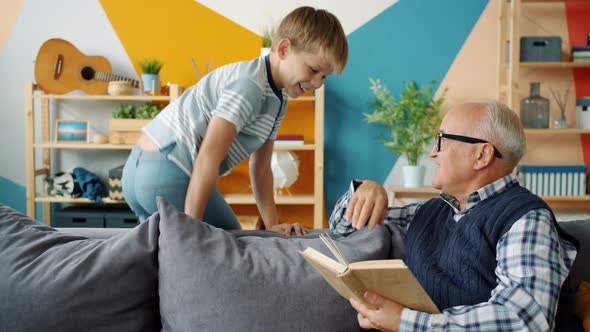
<point>148,174</point>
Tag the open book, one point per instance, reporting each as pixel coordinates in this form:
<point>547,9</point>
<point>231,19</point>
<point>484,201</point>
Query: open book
<point>391,278</point>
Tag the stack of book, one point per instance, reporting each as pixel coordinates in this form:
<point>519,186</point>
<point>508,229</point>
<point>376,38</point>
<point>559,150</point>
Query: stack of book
<point>581,53</point>
<point>289,140</point>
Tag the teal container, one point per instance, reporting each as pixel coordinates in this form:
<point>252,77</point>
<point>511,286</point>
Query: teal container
<point>149,80</point>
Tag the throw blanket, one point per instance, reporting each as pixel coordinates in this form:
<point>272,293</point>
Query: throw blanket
<point>91,186</point>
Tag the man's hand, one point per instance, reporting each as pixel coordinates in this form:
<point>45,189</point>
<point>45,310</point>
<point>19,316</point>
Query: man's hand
<point>369,201</point>
<point>286,229</point>
<point>386,316</point>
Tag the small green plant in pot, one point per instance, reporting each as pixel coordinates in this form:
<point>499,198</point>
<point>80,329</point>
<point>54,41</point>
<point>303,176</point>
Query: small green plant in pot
<point>412,121</point>
<point>267,35</point>
<point>151,74</point>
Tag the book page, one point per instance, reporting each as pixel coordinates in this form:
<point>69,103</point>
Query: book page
<point>313,255</point>
<point>334,249</point>
<point>328,269</point>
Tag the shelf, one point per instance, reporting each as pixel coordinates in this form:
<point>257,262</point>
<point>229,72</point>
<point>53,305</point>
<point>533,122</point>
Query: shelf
<point>556,199</point>
<point>309,147</point>
<point>230,198</point>
<point>555,131</point>
<point>105,97</point>
<point>419,190</point>
<point>423,193</point>
<point>303,98</point>
<point>568,203</point>
<point>92,146</point>
<point>87,146</point>
<point>52,199</point>
<point>279,199</point>
<point>515,21</point>
<point>399,194</point>
<point>432,191</point>
<point>554,65</point>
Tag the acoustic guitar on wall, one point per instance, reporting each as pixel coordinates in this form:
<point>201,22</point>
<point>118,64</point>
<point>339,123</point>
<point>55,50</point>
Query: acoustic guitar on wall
<point>60,67</point>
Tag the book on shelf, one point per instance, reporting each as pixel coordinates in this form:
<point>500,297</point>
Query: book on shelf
<point>580,48</point>
<point>390,278</point>
<point>286,140</point>
<point>289,143</point>
<point>581,53</point>
<point>289,137</point>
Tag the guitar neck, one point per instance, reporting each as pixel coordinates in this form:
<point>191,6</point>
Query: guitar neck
<point>108,77</point>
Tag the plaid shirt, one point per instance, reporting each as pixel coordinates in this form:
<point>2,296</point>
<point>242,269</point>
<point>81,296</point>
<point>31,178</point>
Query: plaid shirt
<point>533,263</point>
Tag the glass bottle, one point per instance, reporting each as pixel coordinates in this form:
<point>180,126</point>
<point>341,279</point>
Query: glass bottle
<point>534,109</point>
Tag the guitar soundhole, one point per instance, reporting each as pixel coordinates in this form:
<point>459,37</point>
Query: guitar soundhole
<point>87,73</point>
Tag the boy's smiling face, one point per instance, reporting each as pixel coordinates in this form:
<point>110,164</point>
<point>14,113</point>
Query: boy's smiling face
<point>299,71</point>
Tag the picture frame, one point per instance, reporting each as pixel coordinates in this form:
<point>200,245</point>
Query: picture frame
<point>72,131</point>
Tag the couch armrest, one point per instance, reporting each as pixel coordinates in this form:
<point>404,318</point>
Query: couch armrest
<point>580,229</point>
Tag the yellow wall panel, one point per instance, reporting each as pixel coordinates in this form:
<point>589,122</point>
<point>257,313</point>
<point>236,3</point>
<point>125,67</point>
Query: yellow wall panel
<point>176,30</point>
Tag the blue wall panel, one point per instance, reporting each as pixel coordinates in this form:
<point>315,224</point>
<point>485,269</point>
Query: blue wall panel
<point>14,195</point>
<point>411,40</point>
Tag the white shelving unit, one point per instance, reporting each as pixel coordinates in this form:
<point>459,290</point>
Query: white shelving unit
<point>46,145</point>
<point>509,65</point>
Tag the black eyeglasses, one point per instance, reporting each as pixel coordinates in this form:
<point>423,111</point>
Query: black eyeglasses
<point>465,139</point>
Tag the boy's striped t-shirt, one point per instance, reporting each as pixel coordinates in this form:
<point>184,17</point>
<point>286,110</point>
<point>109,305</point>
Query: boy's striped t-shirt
<point>242,93</point>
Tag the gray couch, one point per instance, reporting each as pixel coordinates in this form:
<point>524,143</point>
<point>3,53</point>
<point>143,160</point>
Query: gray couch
<point>174,274</point>
<point>170,273</point>
<point>580,229</point>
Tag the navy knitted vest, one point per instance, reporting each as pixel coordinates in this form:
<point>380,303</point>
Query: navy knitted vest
<point>455,261</point>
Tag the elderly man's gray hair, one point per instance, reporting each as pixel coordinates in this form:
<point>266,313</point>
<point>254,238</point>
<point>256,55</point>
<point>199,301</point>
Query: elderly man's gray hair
<point>502,128</point>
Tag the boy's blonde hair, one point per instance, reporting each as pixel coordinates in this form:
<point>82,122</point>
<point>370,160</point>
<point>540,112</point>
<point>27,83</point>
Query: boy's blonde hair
<point>315,31</point>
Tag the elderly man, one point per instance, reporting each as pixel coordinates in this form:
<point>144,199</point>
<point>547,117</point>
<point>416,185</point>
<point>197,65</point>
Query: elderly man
<point>488,252</point>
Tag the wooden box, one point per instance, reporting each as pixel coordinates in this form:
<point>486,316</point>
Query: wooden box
<point>126,131</point>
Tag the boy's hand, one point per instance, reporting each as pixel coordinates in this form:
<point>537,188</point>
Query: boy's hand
<point>286,229</point>
<point>367,206</point>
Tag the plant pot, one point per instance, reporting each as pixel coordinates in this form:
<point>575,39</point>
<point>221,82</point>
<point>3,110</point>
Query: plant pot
<point>151,82</point>
<point>414,176</point>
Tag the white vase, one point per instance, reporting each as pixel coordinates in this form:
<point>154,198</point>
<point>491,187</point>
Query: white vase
<point>285,168</point>
<point>264,51</point>
<point>414,176</point>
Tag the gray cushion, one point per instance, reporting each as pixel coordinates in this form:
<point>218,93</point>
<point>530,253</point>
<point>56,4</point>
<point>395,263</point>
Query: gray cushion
<point>580,229</point>
<point>51,281</point>
<point>213,280</point>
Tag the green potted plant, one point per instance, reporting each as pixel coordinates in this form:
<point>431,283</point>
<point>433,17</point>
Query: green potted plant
<point>412,121</point>
<point>151,74</point>
<point>267,35</point>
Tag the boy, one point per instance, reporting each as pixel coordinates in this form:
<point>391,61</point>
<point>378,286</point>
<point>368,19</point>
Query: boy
<point>233,112</point>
